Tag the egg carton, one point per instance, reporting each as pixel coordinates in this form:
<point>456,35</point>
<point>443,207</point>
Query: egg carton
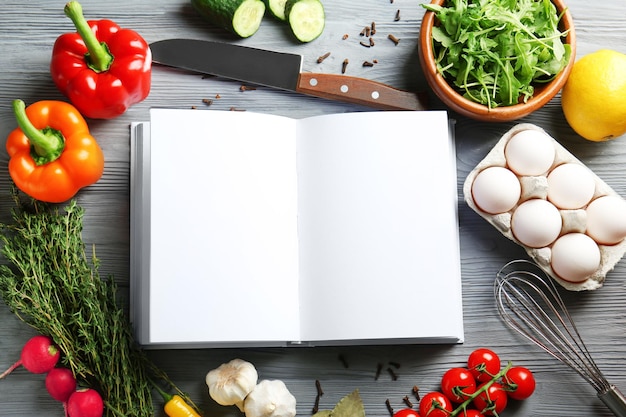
<point>536,187</point>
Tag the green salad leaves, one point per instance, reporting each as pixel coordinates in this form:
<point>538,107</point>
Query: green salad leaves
<point>494,51</point>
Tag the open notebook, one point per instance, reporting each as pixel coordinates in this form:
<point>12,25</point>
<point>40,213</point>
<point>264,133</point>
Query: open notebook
<point>251,229</point>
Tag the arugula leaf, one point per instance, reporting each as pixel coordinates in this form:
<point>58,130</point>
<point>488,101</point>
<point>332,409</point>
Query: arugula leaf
<point>495,51</point>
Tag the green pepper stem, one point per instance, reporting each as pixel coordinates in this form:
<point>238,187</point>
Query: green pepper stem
<point>99,57</point>
<point>166,397</point>
<point>485,387</point>
<point>47,144</point>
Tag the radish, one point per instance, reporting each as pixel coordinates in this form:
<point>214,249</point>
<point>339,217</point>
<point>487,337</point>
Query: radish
<point>60,383</point>
<point>85,403</point>
<point>39,355</point>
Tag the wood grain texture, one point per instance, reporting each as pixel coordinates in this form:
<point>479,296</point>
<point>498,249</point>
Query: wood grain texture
<point>27,32</point>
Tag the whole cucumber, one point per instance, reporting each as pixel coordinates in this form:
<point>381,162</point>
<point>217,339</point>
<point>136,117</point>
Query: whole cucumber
<point>241,17</point>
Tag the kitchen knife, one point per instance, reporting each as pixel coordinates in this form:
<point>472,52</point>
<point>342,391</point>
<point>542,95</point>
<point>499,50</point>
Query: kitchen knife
<point>279,70</point>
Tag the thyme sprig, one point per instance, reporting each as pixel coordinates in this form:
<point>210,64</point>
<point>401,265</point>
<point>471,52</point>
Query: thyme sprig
<point>51,284</point>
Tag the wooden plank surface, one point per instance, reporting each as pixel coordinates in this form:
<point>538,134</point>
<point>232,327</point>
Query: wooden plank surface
<point>27,32</point>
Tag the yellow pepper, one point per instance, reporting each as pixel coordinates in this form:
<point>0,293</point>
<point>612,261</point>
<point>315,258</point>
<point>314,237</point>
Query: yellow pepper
<point>177,407</point>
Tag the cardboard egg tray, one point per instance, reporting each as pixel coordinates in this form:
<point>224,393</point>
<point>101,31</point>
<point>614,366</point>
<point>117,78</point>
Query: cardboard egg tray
<point>536,187</point>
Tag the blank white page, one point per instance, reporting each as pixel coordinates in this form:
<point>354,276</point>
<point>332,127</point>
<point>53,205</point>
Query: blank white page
<point>224,259</point>
<point>378,229</point>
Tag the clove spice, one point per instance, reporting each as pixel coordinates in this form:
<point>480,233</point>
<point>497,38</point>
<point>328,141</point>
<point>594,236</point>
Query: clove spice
<point>379,369</point>
<point>368,64</point>
<point>320,392</point>
<point>344,66</point>
<point>416,392</point>
<point>323,57</point>
<point>393,39</point>
<point>394,376</point>
<point>389,407</point>
<point>407,401</point>
<point>397,18</point>
<point>342,358</point>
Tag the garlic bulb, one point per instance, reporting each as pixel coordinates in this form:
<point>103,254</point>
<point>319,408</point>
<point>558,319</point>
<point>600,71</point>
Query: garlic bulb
<point>231,382</point>
<point>270,399</point>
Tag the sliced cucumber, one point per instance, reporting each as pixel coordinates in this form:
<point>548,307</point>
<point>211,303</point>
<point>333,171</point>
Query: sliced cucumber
<point>277,8</point>
<point>242,17</point>
<point>306,18</point>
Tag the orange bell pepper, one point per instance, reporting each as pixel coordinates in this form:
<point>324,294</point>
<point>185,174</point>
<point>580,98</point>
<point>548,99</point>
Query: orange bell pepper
<point>52,153</point>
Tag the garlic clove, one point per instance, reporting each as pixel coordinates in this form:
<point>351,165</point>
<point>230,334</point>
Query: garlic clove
<point>231,382</point>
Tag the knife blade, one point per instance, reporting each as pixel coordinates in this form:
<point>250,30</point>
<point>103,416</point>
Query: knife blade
<point>279,70</point>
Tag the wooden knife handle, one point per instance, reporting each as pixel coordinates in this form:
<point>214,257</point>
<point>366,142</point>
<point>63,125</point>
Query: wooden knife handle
<point>359,91</point>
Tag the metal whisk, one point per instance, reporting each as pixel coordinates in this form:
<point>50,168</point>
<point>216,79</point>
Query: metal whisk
<point>529,302</point>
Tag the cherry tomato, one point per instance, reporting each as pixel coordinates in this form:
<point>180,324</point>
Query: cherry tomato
<point>406,412</point>
<point>471,413</point>
<point>519,383</point>
<point>435,404</point>
<point>458,384</point>
<point>483,364</point>
<point>492,401</point>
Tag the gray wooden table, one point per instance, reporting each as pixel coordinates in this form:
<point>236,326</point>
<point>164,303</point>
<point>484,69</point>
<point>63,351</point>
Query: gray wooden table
<point>27,32</point>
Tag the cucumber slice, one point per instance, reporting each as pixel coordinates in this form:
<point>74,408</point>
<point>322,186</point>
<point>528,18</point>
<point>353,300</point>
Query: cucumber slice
<point>277,8</point>
<point>306,18</point>
<point>242,17</point>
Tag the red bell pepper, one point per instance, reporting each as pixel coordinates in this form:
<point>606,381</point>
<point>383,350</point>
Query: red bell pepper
<point>102,68</point>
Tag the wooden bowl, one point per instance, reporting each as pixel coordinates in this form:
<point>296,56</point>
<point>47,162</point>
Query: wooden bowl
<point>455,101</point>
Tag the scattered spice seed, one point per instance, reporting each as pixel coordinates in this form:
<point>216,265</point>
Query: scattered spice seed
<point>371,41</point>
<point>373,28</point>
<point>397,18</point>
<point>365,44</point>
<point>207,101</point>
<point>368,64</point>
<point>344,65</point>
<point>342,358</point>
<point>323,57</point>
<point>407,401</point>
<point>375,61</point>
<point>217,96</point>
<point>193,107</point>
<point>345,36</point>
<point>247,88</point>
<point>393,39</point>
<point>236,109</point>
<point>391,1</point>
<point>389,407</point>
<point>379,369</point>
<point>416,392</point>
<point>362,32</point>
<point>394,376</point>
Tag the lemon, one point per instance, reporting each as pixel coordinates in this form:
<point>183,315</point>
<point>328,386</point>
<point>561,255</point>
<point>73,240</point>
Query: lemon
<point>594,97</point>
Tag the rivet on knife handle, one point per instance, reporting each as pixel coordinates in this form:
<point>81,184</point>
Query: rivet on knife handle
<point>359,91</point>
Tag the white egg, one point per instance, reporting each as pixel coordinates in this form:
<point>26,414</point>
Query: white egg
<point>571,186</point>
<point>530,152</point>
<point>536,223</point>
<point>606,220</point>
<point>575,257</point>
<point>496,190</point>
